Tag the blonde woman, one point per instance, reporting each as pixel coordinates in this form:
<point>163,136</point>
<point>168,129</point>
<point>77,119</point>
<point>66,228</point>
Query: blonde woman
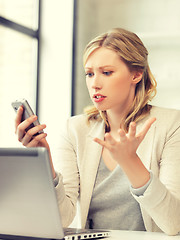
<point>120,160</point>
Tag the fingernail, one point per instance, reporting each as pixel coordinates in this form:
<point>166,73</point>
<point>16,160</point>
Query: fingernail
<point>133,124</point>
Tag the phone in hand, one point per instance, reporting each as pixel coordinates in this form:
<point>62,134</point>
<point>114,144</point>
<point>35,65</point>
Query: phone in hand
<point>27,112</point>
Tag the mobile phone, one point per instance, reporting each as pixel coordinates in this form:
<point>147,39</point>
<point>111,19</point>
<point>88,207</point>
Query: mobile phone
<point>27,112</point>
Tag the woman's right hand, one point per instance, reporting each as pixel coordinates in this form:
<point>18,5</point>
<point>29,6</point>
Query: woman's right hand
<point>29,138</point>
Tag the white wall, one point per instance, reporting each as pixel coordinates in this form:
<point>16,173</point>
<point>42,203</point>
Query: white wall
<point>157,23</point>
<point>56,65</point>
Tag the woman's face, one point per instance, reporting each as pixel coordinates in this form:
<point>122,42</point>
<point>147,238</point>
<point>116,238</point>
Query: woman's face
<point>110,83</point>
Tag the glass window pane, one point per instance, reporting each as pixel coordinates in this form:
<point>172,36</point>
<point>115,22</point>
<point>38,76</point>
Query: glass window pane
<point>17,77</point>
<point>20,11</point>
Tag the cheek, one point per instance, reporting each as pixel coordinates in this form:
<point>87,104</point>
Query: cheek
<point>121,88</point>
<point>119,85</point>
<point>88,85</point>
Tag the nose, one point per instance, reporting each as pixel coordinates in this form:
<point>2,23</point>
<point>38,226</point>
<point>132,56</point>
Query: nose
<point>96,84</point>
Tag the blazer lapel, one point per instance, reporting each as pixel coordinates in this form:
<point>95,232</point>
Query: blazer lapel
<point>89,167</point>
<point>145,152</point>
<point>145,149</point>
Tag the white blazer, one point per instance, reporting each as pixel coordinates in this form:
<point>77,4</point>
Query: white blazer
<point>77,159</point>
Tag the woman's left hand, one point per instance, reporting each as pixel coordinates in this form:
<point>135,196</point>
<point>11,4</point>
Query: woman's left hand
<point>128,143</point>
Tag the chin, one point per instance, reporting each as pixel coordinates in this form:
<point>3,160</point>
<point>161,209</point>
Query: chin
<point>101,108</point>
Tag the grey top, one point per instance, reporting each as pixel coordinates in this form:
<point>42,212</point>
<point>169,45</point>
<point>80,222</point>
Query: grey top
<point>112,205</point>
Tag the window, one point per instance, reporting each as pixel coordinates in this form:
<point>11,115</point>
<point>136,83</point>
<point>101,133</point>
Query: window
<point>19,51</point>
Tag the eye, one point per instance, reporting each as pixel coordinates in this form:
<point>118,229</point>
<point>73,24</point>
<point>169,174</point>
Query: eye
<point>107,73</point>
<point>89,74</point>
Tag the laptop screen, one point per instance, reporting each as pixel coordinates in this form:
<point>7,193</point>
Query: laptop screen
<point>28,205</point>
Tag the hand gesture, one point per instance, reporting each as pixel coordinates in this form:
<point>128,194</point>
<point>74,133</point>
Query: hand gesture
<point>124,149</point>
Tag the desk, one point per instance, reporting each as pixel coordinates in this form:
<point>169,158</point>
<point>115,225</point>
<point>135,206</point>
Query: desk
<point>134,235</point>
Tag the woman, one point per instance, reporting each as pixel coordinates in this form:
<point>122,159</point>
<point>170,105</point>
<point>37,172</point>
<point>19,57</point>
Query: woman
<point>120,161</point>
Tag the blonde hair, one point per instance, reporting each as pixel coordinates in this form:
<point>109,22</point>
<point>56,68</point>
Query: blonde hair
<point>133,53</point>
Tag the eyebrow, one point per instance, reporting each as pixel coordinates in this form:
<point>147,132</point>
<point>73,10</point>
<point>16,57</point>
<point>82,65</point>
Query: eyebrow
<point>101,67</point>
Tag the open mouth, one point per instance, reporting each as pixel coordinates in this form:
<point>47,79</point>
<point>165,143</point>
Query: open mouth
<point>98,97</point>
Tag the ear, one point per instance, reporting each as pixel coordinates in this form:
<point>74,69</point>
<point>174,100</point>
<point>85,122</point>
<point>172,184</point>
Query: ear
<point>137,77</point>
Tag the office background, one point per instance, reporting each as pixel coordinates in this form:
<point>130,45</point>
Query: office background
<point>45,80</point>
<point>41,47</point>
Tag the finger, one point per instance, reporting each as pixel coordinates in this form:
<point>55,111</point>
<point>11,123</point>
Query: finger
<point>132,130</point>
<point>30,134</point>
<point>18,117</point>
<point>35,141</point>
<point>122,135</point>
<point>146,128</point>
<point>21,129</point>
<point>36,129</point>
<point>102,143</point>
<point>109,139</point>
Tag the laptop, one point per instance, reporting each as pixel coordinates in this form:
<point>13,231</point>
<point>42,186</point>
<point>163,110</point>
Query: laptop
<point>28,203</point>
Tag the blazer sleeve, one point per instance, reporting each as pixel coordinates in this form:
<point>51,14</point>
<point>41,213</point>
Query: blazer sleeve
<point>67,189</point>
<point>161,200</point>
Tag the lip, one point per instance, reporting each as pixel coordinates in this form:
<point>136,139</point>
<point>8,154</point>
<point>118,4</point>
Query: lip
<point>98,97</point>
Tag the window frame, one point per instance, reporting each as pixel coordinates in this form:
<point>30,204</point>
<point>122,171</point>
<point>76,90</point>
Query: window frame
<point>32,34</point>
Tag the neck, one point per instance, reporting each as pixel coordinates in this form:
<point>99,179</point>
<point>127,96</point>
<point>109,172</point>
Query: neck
<point>115,120</point>
<point>117,114</point>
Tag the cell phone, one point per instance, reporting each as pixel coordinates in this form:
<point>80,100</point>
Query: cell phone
<point>27,112</point>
